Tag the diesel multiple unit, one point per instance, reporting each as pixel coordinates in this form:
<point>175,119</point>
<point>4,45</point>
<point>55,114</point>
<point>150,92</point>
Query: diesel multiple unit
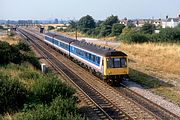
<point>108,64</point>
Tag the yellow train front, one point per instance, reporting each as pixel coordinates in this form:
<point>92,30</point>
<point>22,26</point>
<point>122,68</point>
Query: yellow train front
<point>115,67</point>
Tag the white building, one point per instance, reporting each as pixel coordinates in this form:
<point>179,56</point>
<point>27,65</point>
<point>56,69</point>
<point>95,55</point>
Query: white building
<point>170,22</point>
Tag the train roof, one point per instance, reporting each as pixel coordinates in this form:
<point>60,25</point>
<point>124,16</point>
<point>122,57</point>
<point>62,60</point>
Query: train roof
<point>103,51</point>
<point>60,37</point>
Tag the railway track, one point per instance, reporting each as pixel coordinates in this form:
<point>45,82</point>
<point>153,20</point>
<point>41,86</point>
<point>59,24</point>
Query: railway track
<point>154,108</point>
<point>104,107</point>
<point>121,99</point>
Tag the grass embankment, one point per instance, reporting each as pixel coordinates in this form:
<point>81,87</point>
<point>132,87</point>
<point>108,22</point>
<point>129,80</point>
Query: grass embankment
<point>156,67</point>
<point>10,39</point>
<point>27,94</point>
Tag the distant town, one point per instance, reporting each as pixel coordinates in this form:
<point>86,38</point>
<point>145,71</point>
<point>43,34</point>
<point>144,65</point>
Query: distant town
<point>170,22</point>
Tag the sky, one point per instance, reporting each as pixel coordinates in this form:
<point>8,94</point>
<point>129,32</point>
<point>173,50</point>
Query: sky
<point>98,9</point>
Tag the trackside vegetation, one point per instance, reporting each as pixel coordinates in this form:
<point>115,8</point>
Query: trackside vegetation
<point>111,27</point>
<point>27,94</point>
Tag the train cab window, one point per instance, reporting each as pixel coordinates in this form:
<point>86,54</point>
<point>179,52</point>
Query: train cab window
<point>123,62</point>
<point>110,63</point>
<point>117,63</point>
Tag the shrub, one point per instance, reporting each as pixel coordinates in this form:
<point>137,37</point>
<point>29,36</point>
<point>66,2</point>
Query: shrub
<point>134,38</point>
<point>5,50</point>
<point>32,59</point>
<point>29,75</point>
<point>51,27</point>
<point>9,53</point>
<point>22,46</point>
<point>60,109</point>
<point>46,89</point>
<point>1,27</point>
<point>12,94</point>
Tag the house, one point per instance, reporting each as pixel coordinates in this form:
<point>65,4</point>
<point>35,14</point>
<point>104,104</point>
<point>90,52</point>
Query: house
<point>170,22</point>
<point>157,22</point>
<point>127,22</point>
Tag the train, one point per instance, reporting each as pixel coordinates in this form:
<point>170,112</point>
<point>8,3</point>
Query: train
<point>108,64</point>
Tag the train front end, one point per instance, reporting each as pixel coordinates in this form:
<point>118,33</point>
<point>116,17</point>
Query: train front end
<point>115,67</point>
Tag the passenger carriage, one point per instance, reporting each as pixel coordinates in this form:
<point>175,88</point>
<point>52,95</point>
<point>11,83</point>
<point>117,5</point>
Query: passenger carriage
<point>108,64</point>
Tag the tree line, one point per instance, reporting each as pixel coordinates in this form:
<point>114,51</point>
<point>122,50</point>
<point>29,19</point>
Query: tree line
<point>111,27</point>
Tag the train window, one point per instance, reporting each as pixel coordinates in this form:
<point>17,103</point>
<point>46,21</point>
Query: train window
<point>123,62</point>
<point>117,63</point>
<point>56,42</point>
<point>97,60</point>
<point>89,56</point>
<point>78,51</point>
<point>85,54</point>
<point>93,58</point>
<point>109,62</point>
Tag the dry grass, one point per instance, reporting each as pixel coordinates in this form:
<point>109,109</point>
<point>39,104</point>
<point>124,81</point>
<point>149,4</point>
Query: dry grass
<point>54,25</point>
<point>10,40</point>
<point>160,57</point>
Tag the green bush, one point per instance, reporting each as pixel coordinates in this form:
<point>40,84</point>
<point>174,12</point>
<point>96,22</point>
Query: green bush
<point>46,89</point>
<point>59,109</point>
<point>22,46</point>
<point>1,27</point>
<point>51,27</point>
<point>9,54</point>
<point>12,94</point>
<point>29,75</point>
<point>34,61</point>
<point>134,38</point>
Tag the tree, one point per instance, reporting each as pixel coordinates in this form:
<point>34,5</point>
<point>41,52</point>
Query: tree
<point>106,26</point>
<point>117,29</point>
<point>99,22</point>
<point>51,27</point>
<point>170,34</point>
<point>86,23</point>
<point>105,30</point>
<point>111,20</point>
<point>72,24</point>
<point>1,27</point>
<point>178,26</point>
<point>148,28</point>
